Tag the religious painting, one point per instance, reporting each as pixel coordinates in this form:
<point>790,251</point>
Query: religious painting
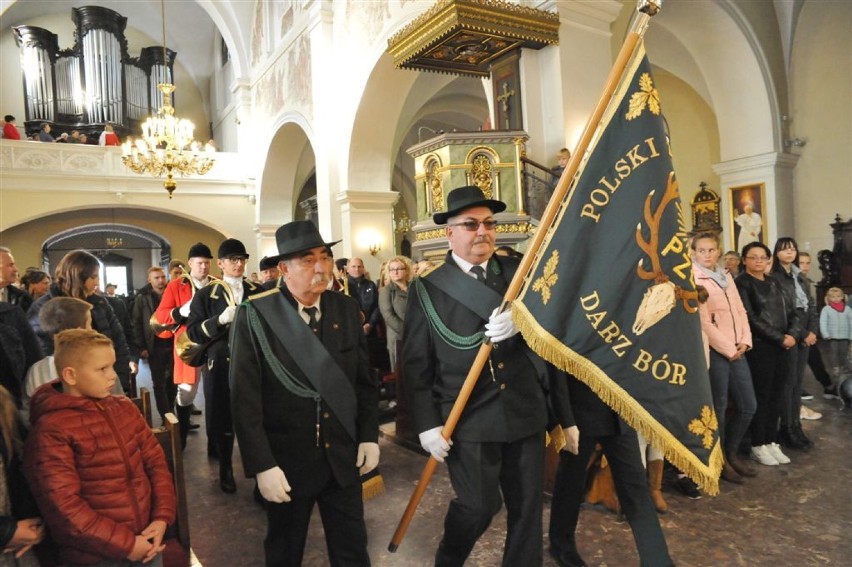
<point>748,215</point>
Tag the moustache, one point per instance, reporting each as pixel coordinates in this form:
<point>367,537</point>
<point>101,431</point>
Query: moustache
<point>320,279</point>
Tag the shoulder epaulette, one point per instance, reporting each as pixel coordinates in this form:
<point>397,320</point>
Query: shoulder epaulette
<point>264,294</point>
<point>430,270</point>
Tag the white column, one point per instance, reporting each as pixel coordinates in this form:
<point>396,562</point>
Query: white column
<point>366,218</point>
<point>562,83</point>
<point>773,169</point>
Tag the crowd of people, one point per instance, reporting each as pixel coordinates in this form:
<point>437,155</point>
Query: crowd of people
<point>284,361</point>
<point>108,137</point>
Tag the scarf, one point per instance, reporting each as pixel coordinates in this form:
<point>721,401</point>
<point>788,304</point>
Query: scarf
<point>716,275</point>
<point>838,306</point>
<point>801,294</point>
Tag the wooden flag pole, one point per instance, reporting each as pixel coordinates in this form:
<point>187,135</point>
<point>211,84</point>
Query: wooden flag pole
<point>645,9</point>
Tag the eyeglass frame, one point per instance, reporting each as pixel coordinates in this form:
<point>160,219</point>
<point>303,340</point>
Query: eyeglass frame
<point>472,225</point>
<point>236,258</point>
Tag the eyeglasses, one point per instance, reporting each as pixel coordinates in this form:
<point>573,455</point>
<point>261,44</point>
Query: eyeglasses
<point>758,258</point>
<point>236,259</point>
<point>398,270</point>
<point>473,225</point>
<point>309,261</point>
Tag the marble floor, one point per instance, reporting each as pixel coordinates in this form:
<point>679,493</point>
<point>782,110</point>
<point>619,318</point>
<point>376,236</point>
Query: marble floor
<point>799,514</point>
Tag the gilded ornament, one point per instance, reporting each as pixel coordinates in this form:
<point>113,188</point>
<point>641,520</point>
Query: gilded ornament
<point>705,427</point>
<point>647,96</point>
<point>549,278</point>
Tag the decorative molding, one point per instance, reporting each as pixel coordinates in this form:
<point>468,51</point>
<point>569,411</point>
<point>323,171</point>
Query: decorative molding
<point>463,37</point>
<point>484,138</point>
<point>751,163</point>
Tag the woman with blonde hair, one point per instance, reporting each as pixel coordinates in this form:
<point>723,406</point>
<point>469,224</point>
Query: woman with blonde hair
<point>393,299</point>
<point>78,275</point>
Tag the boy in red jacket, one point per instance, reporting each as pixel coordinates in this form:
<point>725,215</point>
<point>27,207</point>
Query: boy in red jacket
<point>98,474</point>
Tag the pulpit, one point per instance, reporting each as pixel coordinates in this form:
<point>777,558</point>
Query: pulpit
<point>491,160</point>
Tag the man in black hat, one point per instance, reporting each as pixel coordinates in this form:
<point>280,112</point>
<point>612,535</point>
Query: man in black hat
<point>498,445</point>
<point>210,316</point>
<point>268,269</point>
<point>305,406</point>
<point>171,316</point>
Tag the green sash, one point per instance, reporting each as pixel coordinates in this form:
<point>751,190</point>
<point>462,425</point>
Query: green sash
<point>314,364</point>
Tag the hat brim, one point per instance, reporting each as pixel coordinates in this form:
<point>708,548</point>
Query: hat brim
<point>296,247</point>
<point>444,216</point>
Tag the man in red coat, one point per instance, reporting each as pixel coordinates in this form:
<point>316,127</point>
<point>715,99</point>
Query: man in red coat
<point>173,312</point>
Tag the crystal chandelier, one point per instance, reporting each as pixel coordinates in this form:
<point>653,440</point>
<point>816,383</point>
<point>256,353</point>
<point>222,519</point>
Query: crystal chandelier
<point>167,145</point>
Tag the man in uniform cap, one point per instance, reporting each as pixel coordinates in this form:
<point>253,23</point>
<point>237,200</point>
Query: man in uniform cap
<point>171,316</point>
<point>268,269</point>
<point>210,317</point>
<point>305,406</point>
<point>498,445</point>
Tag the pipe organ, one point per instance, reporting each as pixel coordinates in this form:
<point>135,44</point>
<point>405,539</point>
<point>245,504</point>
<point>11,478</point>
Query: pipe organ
<point>93,83</point>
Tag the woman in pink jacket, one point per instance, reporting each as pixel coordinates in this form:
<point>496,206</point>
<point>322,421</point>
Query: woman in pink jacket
<point>724,321</point>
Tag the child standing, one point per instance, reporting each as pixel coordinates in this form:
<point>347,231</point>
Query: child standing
<point>98,474</point>
<point>58,314</point>
<point>835,326</point>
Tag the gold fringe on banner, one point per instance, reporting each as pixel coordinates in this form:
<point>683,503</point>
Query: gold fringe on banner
<point>372,484</point>
<point>551,349</point>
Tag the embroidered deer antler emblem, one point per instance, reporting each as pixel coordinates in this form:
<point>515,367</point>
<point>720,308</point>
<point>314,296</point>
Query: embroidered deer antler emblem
<point>660,298</point>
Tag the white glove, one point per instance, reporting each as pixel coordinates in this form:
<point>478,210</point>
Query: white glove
<point>184,309</point>
<point>368,457</point>
<point>227,316</point>
<point>572,439</point>
<point>434,443</point>
<point>500,326</point>
<point>273,485</point>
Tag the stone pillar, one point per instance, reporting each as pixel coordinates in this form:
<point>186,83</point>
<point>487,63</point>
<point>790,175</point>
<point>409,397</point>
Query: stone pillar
<point>366,218</point>
<point>775,171</point>
<point>562,83</point>
<point>264,242</point>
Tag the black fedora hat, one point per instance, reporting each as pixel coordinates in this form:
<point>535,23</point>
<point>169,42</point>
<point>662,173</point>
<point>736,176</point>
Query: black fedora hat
<point>268,262</point>
<point>465,198</point>
<point>298,236</point>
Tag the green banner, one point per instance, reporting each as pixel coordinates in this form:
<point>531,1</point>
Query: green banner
<point>611,298</point>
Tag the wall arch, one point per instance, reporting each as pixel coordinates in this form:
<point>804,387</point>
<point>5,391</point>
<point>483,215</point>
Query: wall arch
<point>290,160</point>
<point>734,75</point>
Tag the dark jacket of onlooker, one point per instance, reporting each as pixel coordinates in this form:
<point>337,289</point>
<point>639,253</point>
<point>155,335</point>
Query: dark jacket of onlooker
<point>19,349</point>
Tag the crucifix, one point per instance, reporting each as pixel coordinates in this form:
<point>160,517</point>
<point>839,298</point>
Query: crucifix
<point>504,100</point>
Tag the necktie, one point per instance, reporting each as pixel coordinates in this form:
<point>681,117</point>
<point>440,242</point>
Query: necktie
<point>312,319</point>
<point>479,272</point>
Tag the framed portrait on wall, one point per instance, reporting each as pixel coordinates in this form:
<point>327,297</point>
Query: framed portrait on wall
<point>748,218</point>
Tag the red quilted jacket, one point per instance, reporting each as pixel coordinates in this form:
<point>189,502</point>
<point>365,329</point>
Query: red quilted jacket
<point>97,472</point>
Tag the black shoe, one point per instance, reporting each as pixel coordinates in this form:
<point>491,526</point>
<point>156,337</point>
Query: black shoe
<point>788,439</point>
<point>193,426</point>
<point>226,481</point>
<point>689,488</point>
<point>800,435</point>
<point>196,411</point>
<point>567,557</point>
